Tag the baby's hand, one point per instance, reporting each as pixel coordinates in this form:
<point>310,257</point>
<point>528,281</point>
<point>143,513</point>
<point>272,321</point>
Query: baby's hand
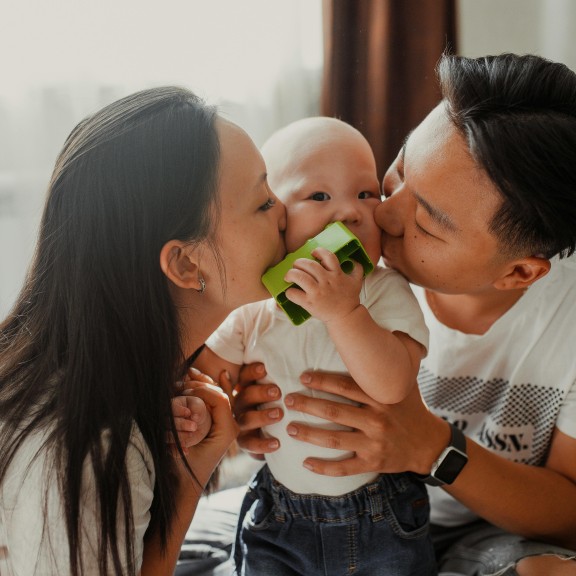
<point>192,420</point>
<point>327,292</point>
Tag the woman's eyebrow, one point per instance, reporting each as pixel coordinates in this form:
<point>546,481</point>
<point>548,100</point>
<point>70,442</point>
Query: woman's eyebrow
<point>261,180</point>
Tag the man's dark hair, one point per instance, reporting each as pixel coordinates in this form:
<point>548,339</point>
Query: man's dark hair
<point>518,115</point>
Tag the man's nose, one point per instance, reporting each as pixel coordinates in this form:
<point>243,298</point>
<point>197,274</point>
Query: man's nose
<point>390,214</point>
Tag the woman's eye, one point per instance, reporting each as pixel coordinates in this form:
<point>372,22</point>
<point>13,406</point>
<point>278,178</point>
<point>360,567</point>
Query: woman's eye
<point>269,204</point>
<point>319,196</point>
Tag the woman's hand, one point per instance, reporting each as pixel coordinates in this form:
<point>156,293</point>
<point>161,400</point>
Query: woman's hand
<point>202,459</point>
<point>384,438</point>
<point>247,396</point>
<point>205,455</point>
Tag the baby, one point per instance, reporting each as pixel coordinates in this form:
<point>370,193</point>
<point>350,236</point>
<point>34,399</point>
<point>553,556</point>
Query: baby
<point>324,171</point>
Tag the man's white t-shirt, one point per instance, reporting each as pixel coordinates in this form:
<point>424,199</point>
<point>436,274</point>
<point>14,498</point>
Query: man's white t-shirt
<point>37,544</point>
<point>509,388</point>
<point>261,332</point>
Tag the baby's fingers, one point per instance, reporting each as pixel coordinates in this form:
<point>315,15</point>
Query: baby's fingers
<point>328,259</point>
<point>185,425</point>
<point>179,408</point>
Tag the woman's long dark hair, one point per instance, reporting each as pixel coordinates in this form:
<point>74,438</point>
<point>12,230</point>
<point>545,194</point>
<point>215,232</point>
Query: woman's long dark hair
<point>92,344</point>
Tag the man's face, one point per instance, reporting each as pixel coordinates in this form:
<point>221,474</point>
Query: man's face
<point>437,213</point>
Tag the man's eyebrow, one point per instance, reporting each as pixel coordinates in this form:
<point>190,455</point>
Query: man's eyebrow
<point>404,144</point>
<point>440,217</point>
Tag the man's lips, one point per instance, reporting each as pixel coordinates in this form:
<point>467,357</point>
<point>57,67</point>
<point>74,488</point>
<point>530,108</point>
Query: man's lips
<point>388,253</point>
<point>385,247</point>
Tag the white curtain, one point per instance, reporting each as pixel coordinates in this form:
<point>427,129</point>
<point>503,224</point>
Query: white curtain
<point>258,60</point>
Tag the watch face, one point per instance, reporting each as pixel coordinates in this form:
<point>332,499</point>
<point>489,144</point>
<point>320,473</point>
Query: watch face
<point>450,466</point>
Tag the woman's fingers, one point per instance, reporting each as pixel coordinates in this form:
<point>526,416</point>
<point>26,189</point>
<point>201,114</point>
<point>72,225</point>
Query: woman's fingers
<point>249,373</point>
<point>256,445</point>
<point>250,397</point>
<point>195,375</point>
<point>225,382</point>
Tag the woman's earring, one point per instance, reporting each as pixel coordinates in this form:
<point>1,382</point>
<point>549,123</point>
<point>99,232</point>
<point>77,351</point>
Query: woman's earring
<point>202,285</point>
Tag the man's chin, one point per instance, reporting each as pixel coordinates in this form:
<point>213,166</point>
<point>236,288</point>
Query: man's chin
<point>394,266</point>
<point>388,263</point>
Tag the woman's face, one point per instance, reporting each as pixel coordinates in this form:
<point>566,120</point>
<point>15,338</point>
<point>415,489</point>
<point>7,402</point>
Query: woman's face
<point>251,224</point>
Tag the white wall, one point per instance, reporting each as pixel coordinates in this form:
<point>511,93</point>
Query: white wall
<point>543,27</point>
<point>258,60</point>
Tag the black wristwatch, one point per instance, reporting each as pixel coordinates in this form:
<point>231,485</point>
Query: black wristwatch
<point>450,463</point>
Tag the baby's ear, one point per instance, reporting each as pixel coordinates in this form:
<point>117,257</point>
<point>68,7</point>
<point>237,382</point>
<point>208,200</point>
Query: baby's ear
<point>523,272</point>
<point>179,262</point>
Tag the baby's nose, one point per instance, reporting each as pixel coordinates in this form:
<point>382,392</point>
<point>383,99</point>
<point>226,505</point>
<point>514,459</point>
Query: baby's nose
<point>348,214</point>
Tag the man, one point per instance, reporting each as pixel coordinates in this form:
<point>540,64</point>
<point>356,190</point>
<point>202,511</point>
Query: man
<point>481,201</point>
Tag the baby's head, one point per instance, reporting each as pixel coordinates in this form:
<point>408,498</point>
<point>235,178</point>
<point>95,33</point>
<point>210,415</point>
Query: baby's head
<point>324,171</point>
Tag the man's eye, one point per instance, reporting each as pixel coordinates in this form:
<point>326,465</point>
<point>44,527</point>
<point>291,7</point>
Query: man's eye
<point>424,231</point>
<point>269,204</point>
<point>319,196</point>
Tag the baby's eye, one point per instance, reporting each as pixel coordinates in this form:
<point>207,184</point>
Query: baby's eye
<point>267,205</point>
<point>319,196</point>
<point>366,194</point>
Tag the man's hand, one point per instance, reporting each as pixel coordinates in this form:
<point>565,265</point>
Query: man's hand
<point>383,438</point>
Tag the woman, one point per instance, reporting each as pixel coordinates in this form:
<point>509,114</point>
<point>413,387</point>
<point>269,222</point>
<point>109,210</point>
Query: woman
<point>158,222</point>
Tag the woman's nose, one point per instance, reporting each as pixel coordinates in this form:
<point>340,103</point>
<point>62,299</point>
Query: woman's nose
<point>281,211</point>
<point>390,214</point>
<point>282,219</point>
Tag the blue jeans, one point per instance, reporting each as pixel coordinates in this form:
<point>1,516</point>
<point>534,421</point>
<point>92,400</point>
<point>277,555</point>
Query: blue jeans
<point>380,529</point>
<point>480,549</point>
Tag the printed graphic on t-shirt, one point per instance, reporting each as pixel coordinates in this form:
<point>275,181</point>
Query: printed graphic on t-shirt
<point>512,421</point>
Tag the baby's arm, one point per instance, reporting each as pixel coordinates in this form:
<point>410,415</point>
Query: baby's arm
<point>371,353</point>
<point>213,365</point>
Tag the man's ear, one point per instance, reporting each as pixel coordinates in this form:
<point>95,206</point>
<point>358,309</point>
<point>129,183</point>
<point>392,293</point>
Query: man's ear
<point>522,273</point>
<point>179,262</point>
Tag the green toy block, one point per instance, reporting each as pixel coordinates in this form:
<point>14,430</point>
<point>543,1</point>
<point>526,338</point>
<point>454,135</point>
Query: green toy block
<point>336,238</point>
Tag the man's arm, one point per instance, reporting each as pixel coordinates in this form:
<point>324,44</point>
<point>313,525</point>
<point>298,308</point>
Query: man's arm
<point>536,502</point>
